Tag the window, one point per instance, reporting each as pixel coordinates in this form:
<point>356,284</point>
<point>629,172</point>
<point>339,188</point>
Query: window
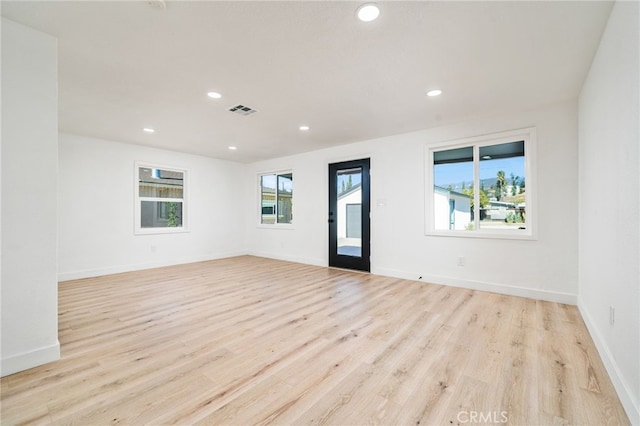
<point>481,186</point>
<point>160,199</point>
<point>276,198</point>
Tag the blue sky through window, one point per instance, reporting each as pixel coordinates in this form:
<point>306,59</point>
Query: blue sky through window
<point>343,178</point>
<point>455,174</point>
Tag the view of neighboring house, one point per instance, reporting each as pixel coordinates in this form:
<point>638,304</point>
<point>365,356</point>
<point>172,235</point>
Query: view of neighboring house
<point>276,203</point>
<point>161,193</point>
<point>452,209</point>
<point>500,210</point>
<point>349,220</point>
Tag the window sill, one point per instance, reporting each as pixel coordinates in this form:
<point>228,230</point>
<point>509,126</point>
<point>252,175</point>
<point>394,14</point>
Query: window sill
<point>507,235</point>
<point>155,231</point>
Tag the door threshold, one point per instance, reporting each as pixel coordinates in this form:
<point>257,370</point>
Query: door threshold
<point>349,270</point>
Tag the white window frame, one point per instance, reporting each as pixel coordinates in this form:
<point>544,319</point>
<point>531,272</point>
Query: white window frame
<point>275,225</point>
<point>138,229</point>
<point>528,135</point>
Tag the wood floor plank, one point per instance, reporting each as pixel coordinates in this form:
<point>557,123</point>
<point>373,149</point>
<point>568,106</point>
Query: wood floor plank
<point>517,388</point>
<point>248,340</point>
<point>309,385</point>
<point>433,394</point>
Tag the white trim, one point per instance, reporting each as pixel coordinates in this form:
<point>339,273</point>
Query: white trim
<point>631,406</point>
<point>527,134</point>
<point>530,293</point>
<point>27,360</point>
<point>137,228</point>
<point>495,234</point>
<point>296,259</point>
<point>98,272</point>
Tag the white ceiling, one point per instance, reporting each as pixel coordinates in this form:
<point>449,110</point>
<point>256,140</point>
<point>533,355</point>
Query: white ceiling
<point>126,65</point>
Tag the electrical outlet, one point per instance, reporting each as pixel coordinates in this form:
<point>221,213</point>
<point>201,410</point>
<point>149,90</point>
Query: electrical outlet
<point>153,249</point>
<point>461,261</point>
<point>612,315</point>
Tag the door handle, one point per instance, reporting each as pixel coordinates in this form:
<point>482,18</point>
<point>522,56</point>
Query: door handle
<point>330,220</point>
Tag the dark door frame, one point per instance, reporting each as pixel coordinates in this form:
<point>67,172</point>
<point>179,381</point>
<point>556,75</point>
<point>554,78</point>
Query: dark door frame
<point>362,263</point>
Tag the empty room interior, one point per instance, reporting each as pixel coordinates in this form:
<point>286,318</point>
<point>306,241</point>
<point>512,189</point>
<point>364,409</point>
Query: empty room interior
<point>320,212</point>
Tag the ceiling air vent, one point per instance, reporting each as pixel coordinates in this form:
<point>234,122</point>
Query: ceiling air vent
<point>242,110</point>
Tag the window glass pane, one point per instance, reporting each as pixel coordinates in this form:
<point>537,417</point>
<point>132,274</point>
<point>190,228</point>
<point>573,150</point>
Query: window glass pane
<point>268,198</point>
<point>349,207</point>
<point>502,180</point>
<point>457,155</point>
<point>285,196</point>
<point>160,214</point>
<point>453,190</point>
<point>276,198</point>
<point>158,183</point>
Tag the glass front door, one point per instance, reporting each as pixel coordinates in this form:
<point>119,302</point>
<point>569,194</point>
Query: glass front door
<point>349,215</point>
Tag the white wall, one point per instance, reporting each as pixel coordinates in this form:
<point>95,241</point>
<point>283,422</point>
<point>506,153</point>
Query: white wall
<point>96,205</point>
<point>29,185</point>
<point>545,268</point>
<point>609,161</point>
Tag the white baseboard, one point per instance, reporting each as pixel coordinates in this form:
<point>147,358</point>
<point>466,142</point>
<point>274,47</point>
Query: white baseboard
<point>52,353</point>
<point>26,360</point>
<point>288,258</point>
<point>531,293</point>
<point>97,272</point>
<point>629,403</point>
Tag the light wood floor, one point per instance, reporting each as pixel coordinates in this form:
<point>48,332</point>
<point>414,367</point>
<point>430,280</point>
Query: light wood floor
<point>255,341</point>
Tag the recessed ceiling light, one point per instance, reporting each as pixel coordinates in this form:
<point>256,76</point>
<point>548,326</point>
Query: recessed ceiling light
<point>233,148</point>
<point>304,128</point>
<point>214,95</point>
<point>148,130</point>
<point>368,12</point>
<point>434,92</point>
